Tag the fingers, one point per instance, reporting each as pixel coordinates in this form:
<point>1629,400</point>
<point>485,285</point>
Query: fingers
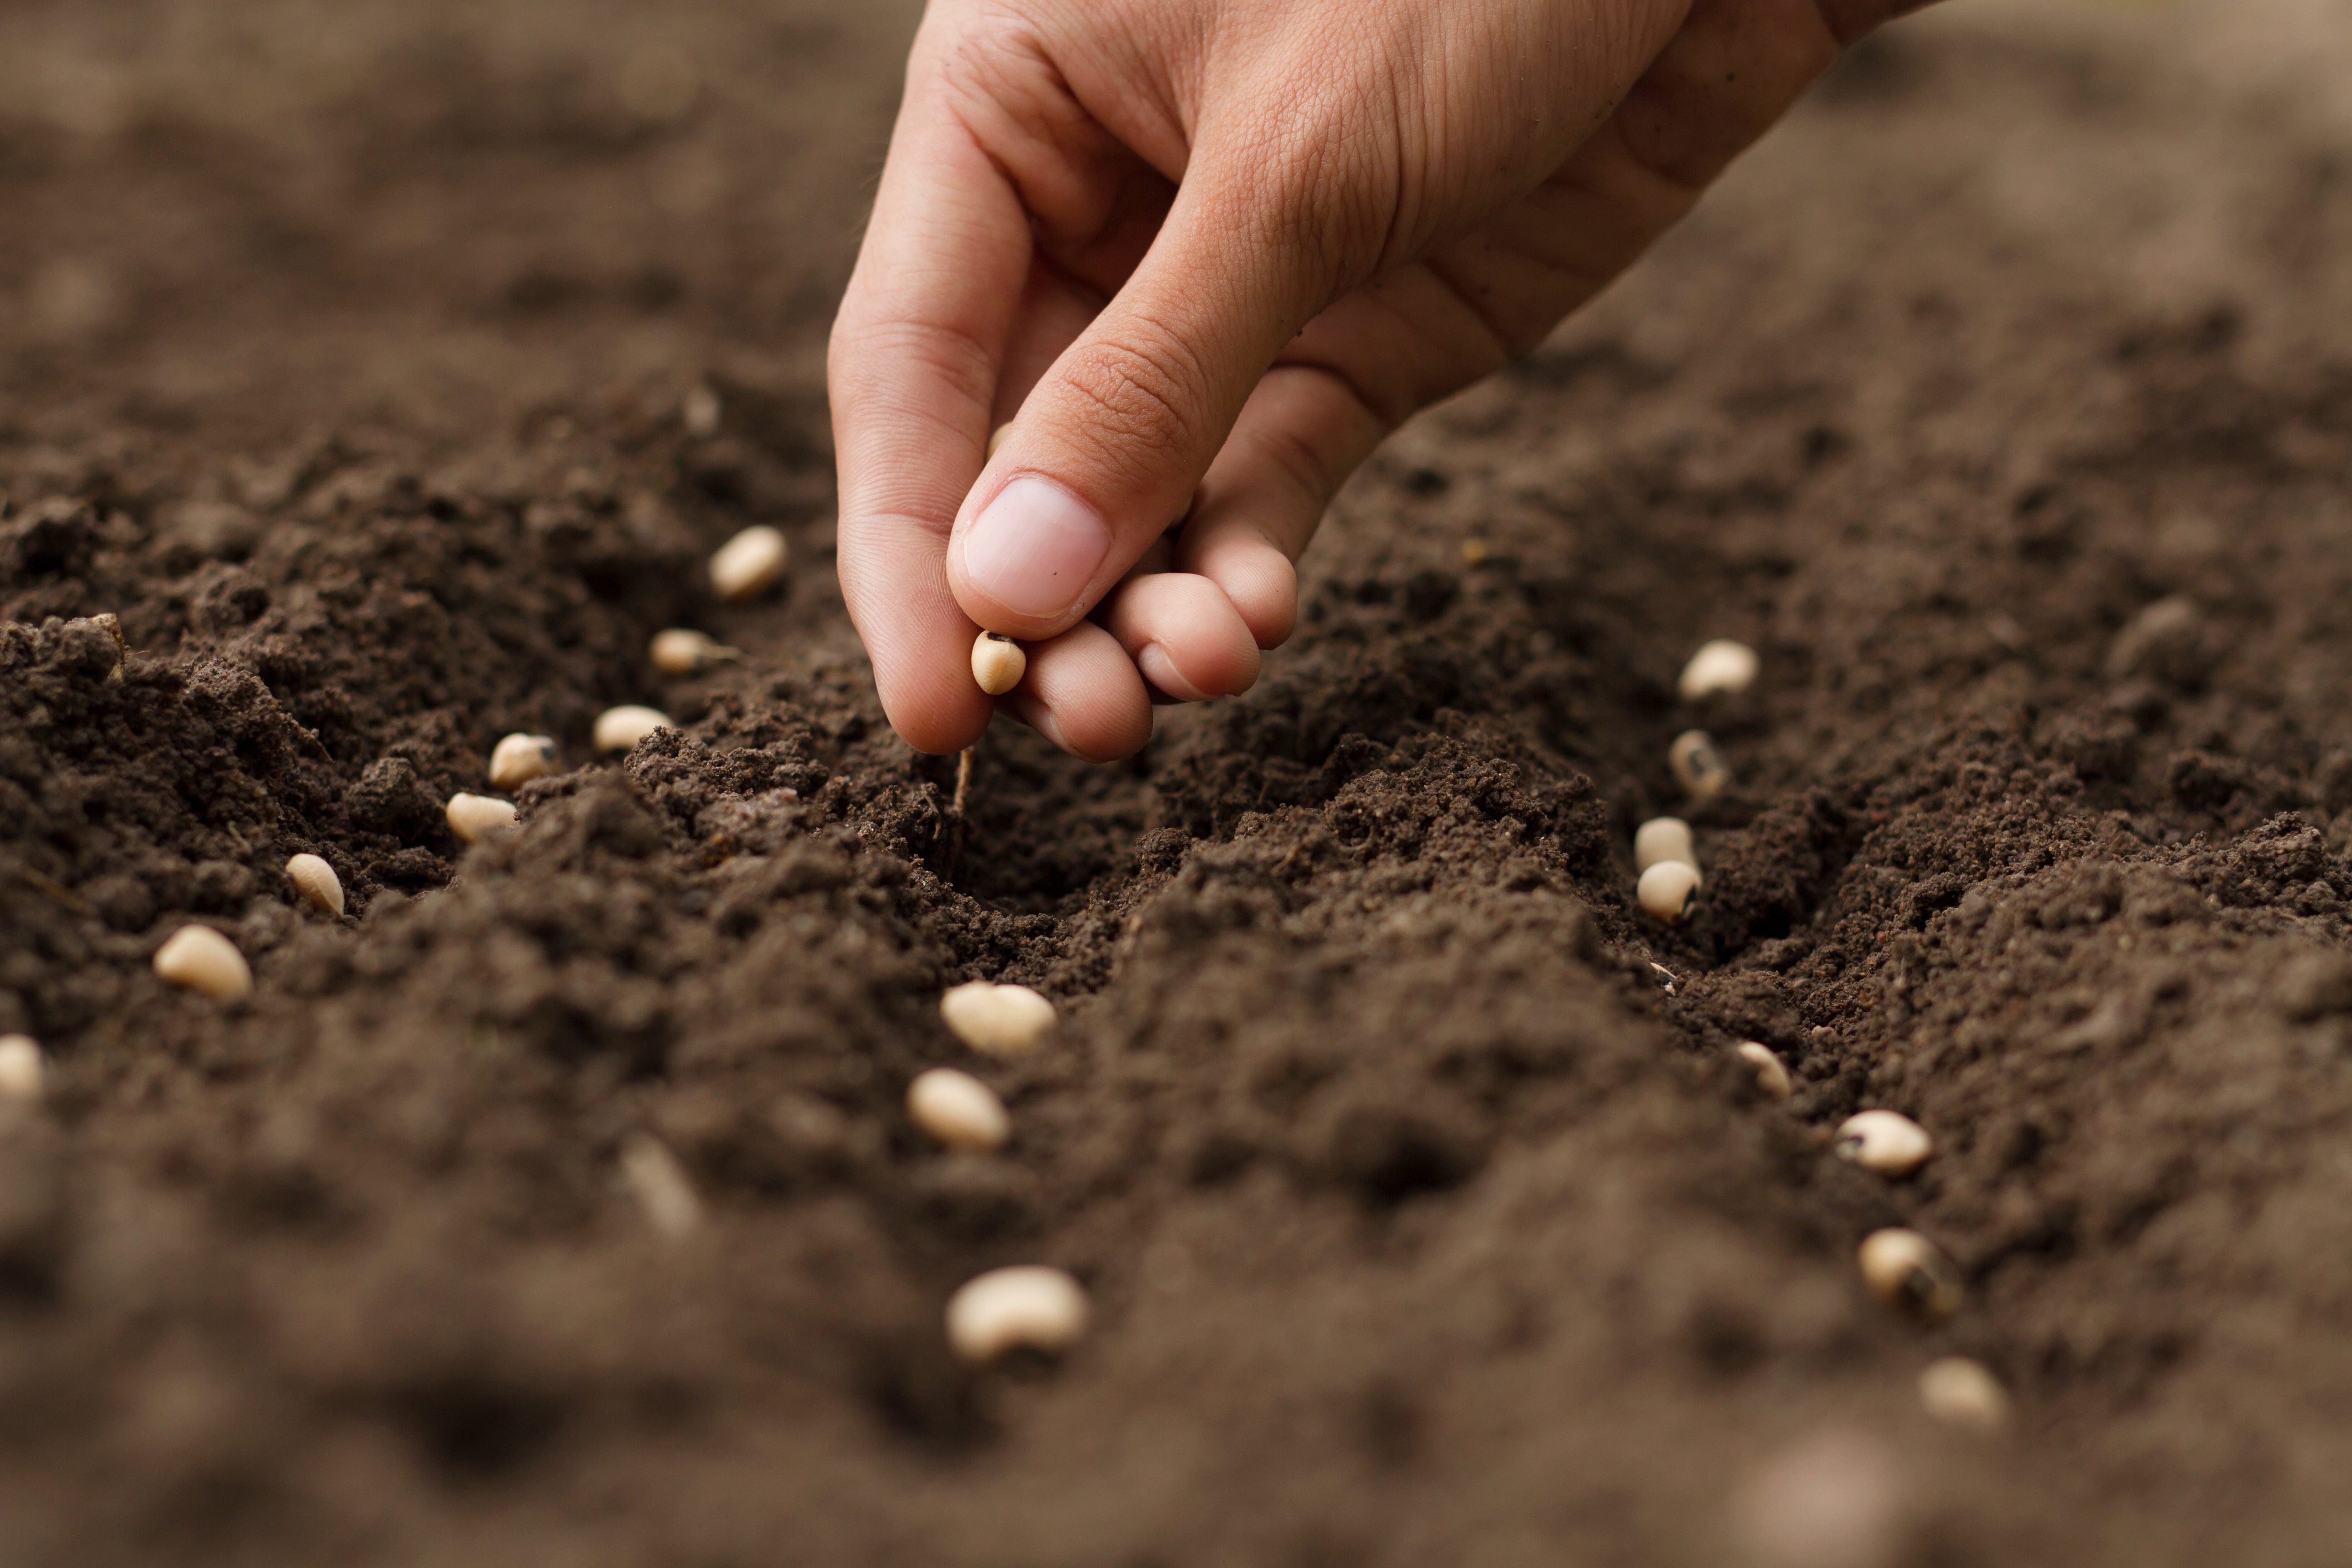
<point>1185,635</point>
<point>1302,433</point>
<point>1082,692</point>
<point>912,372</point>
<point>1109,443</point>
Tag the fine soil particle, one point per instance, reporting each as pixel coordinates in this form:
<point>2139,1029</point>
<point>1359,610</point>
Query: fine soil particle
<point>362,360</point>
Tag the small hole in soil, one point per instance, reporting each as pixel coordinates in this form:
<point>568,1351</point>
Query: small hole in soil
<point>471,1428</point>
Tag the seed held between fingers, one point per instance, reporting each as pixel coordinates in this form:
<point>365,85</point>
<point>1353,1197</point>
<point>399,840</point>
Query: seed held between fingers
<point>997,438</point>
<point>199,959</point>
<point>518,758</point>
<point>1885,1141</point>
<point>1964,1393</point>
<point>1025,1306</point>
<point>958,1111</point>
<point>997,1020</point>
<point>750,563</point>
<point>1771,1072</point>
<point>620,728</point>
<point>1699,767</point>
<point>997,663</point>
<point>1906,1270</point>
<point>1718,665</point>
<point>1664,838</point>
<point>21,1070</point>
<point>473,816</point>
<point>678,651</point>
<point>316,881</point>
<point>1668,891</point>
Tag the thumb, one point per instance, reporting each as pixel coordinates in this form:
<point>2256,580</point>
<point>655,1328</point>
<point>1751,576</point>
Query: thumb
<point>1105,451</point>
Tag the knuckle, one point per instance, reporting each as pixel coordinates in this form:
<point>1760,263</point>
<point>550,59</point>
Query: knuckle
<point>1139,400</point>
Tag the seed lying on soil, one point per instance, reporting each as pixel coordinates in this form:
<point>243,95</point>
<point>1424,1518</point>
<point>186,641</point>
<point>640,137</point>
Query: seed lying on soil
<point>957,1110</point>
<point>1885,1141</point>
<point>700,413</point>
<point>315,881</point>
<point>1007,1308</point>
<point>1668,891</point>
<point>1664,838</point>
<point>1719,666</point>
<point>1964,1393</point>
<point>748,563</point>
<point>997,438</point>
<point>997,663</point>
<point>678,651</point>
<point>620,728</point>
<point>198,958</point>
<point>20,1067</point>
<point>518,758</point>
<point>1771,1072</point>
<point>1905,1269</point>
<point>472,816</point>
<point>1699,768</point>
<point>997,1020</point>
<point>660,1186</point>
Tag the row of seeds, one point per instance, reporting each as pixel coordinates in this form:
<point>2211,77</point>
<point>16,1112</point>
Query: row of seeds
<point>1899,1267</point>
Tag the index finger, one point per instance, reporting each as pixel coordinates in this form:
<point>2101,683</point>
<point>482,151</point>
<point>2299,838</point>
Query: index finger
<point>913,371</point>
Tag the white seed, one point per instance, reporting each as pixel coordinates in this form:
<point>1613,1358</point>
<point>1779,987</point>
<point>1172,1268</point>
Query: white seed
<point>997,1020</point>
<point>997,438</point>
<point>1964,1393</point>
<point>997,663</point>
<point>518,758</point>
<point>1699,767</point>
<point>957,1110</point>
<point>620,728</point>
<point>473,816</point>
<point>315,881</point>
<point>1668,891</point>
<point>198,958</point>
<point>748,563</point>
<point>1664,838</point>
<point>1007,1309</point>
<point>20,1067</point>
<point>1885,1141</point>
<point>1771,1072</point>
<point>660,1186</point>
<point>678,651</point>
<point>1904,1268</point>
<point>1719,666</point>
<point>700,412</point>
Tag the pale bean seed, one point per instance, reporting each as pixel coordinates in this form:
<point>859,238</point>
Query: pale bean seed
<point>1718,665</point>
<point>1771,1072</point>
<point>1664,838</point>
<point>997,438</point>
<point>622,729</point>
<point>660,1186</point>
<point>199,959</point>
<point>678,651</point>
<point>21,1070</point>
<point>473,816</point>
<point>1964,1393</point>
<point>997,663</point>
<point>315,881</point>
<point>1905,1269</point>
<point>750,563</point>
<point>518,758</point>
<point>1699,767</point>
<point>1668,891</point>
<point>958,1111</point>
<point>1009,1308</point>
<point>700,413</point>
<point>997,1020</point>
<point>1885,1141</point>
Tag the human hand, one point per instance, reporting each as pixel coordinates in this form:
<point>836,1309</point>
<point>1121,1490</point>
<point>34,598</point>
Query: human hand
<point>1210,252</point>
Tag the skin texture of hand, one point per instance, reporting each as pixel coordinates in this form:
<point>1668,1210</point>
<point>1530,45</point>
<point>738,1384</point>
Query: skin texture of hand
<point>1201,256</point>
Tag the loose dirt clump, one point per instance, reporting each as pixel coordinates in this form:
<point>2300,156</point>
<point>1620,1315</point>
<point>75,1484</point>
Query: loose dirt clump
<point>560,1202</point>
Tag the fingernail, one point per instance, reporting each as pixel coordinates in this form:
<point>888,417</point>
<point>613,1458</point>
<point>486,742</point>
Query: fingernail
<point>1161,671</point>
<point>1035,548</point>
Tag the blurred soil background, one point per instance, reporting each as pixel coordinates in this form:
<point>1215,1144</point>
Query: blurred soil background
<point>2003,401</point>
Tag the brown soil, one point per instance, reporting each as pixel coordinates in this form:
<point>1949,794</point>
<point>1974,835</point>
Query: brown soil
<point>2004,401</point>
